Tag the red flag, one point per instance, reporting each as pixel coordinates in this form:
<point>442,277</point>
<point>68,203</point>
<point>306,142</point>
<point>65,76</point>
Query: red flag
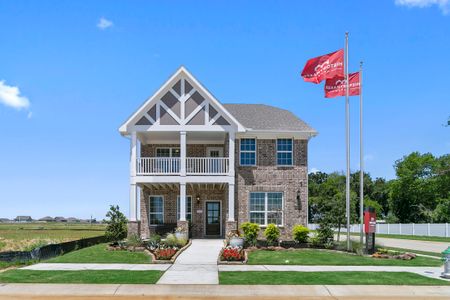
<point>324,67</point>
<point>335,87</point>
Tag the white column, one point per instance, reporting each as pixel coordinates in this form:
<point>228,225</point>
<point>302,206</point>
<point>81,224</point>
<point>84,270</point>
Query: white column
<point>231,150</point>
<point>133,202</point>
<point>182,201</point>
<point>231,202</point>
<point>133,187</point>
<point>133,151</point>
<point>183,153</point>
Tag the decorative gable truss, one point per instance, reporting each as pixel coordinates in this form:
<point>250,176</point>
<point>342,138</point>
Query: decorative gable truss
<point>182,103</point>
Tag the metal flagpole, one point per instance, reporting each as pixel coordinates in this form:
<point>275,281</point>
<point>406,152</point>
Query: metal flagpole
<point>347,135</point>
<point>361,159</point>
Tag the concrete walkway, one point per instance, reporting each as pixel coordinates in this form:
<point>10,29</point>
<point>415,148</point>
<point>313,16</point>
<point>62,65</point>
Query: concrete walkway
<point>196,265</point>
<point>81,266</point>
<point>432,272</point>
<point>136,291</point>
<point>428,246</point>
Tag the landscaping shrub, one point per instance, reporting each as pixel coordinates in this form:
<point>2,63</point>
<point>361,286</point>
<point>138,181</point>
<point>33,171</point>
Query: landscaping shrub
<point>272,233</point>
<point>181,242</point>
<point>230,253</point>
<point>325,233</point>
<point>300,233</point>
<point>251,231</point>
<point>134,241</point>
<point>170,240</point>
<point>117,224</point>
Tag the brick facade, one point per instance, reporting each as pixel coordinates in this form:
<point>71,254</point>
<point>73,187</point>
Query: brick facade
<point>266,176</point>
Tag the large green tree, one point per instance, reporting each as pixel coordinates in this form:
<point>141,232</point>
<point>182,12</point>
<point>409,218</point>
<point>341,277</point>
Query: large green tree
<point>414,192</point>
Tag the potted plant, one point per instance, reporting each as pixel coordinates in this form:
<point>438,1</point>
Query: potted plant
<point>180,233</point>
<point>235,239</point>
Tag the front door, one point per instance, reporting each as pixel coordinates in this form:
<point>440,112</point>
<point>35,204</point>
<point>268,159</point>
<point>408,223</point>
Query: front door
<point>212,222</point>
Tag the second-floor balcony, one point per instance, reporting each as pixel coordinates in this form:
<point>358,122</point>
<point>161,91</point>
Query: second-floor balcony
<point>173,166</point>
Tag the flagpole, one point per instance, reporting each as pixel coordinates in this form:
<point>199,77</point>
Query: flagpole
<point>347,135</point>
<point>361,158</point>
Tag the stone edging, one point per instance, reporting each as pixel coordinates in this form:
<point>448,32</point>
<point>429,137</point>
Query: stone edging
<point>172,259</point>
<point>225,262</point>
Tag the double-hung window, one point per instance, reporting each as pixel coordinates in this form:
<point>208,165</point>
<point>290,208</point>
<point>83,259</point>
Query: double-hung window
<point>284,152</point>
<point>156,210</point>
<point>248,152</point>
<point>188,208</point>
<point>266,208</point>
<point>167,152</point>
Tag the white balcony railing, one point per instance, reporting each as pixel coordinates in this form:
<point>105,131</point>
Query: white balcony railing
<point>158,166</point>
<point>172,166</point>
<point>207,165</point>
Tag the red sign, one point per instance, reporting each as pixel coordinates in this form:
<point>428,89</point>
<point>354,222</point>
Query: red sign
<point>336,86</point>
<point>322,67</point>
<point>370,221</point>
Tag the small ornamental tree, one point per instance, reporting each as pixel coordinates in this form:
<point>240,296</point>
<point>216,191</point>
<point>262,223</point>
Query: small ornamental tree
<point>251,231</point>
<point>300,233</point>
<point>272,233</point>
<point>117,224</point>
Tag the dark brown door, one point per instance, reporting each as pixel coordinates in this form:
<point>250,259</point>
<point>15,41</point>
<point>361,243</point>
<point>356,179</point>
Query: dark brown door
<point>213,218</point>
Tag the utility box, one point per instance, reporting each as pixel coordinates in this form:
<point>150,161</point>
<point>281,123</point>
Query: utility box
<point>370,226</point>
<point>446,259</point>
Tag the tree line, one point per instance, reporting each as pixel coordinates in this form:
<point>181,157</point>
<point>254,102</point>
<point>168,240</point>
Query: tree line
<point>420,193</point>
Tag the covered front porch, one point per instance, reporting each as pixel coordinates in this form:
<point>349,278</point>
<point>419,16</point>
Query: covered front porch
<point>205,210</point>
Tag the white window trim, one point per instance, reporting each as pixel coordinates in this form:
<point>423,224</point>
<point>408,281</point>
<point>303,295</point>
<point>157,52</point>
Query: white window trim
<point>170,151</point>
<point>265,211</point>
<point>187,212</point>
<point>150,213</point>
<point>248,151</point>
<point>284,151</point>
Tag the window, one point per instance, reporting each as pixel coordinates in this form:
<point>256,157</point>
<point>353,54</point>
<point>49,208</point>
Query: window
<point>188,208</point>
<point>156,210</point>
<point>284,152</point>
<point>248,152</point>
<point>266,208</point>
<point>167,152</point>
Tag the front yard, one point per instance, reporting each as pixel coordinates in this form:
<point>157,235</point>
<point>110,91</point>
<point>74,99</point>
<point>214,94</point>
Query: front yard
<point>332,258</point>
<point>91,276</point>
<point>330,278</point>
<point>100,254</point>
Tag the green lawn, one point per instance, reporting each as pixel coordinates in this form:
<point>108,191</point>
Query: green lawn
<point>100,254</point>
<point>330,278</point>
<point>85,276</point>
<point>332,258</point>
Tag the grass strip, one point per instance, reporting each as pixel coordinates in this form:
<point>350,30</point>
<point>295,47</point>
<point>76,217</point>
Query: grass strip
<point>84,276</point>
<point>331,258</point>
<point>100,254</point>
<point>330,278</point>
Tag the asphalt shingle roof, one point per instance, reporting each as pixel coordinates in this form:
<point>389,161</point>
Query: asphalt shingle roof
<point>266,117</point>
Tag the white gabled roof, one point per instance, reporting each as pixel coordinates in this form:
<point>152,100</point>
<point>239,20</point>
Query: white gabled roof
<point>181,72</point>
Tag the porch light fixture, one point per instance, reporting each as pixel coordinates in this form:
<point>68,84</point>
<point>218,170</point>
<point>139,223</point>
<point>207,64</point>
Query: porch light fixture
<point>299,202</point>
<point>198,199</point>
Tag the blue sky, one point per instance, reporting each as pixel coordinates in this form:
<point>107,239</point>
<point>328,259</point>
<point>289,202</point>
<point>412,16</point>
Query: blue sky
<point>82,67</point>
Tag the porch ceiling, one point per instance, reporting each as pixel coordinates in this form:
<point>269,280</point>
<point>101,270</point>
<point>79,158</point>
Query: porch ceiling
<point>194,186</point>
<point>173,137</point>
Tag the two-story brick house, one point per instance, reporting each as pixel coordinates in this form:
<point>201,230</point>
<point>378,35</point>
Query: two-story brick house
<point>207,167</point>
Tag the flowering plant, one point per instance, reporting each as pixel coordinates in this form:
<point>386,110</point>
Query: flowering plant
<point>165,253</point>
<point>230,253</point>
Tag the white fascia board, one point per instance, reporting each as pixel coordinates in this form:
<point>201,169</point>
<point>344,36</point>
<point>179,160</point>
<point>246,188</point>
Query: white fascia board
<point>273,134</point>
<point>183,179</point>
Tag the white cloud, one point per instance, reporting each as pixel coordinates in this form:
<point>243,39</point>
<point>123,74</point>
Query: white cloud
<point>314,170</point>
<point>10,96</point>
<point>104,23</point>
<point>444,5</point>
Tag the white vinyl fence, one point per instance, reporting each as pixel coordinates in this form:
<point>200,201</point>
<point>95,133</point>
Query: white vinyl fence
<point>428,229</point>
